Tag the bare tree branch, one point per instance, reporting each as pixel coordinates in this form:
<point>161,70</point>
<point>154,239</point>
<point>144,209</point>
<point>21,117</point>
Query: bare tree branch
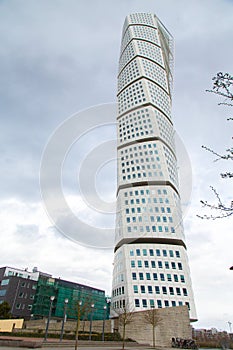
<point>223,82</point>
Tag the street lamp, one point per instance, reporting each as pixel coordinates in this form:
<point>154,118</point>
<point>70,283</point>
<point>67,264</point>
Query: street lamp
<point>49,316</point>
<point>64,318</point>
<point>92,308</point>
<point>105,308</point>
<point>77,324</point>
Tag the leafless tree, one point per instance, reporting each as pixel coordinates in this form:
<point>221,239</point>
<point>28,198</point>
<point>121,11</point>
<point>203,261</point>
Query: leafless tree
<point>81,306</point>
<point>152,317</point>
<point>125,318</point>
<point>223,83</point>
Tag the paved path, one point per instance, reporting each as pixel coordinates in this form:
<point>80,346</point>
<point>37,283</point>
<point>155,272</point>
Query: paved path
<point>82,348</point>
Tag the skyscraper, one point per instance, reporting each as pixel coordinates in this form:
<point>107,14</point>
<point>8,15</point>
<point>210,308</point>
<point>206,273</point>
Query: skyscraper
<point>150,264</point>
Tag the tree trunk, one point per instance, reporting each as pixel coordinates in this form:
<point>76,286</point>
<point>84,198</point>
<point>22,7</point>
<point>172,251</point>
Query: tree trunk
<point>123,343</point>
<point>153,336</point>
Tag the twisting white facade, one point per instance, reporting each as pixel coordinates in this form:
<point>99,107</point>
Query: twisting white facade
<point>150,264</point>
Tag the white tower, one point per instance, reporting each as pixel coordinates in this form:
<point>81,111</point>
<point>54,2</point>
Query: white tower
<point>150,265</point>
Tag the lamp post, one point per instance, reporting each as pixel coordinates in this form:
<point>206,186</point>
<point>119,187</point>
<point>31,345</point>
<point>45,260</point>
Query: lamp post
<point>64,318</point>
<point>105,309</point>
<point>77,324</point>
<point>92,308</point>
<point>49,316</point>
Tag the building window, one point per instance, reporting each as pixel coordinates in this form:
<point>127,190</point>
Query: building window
<point>157,291</point>
<point>182,279</point>
<point>148,276</point>
<point>144,302</point>
<point>160,264</point>
<point>166,303</point>
<point>164,289</point>
<point>137,303</point>
<point>178,291</point>
<point>173,303</point>
<point>150,290</point>
<point>144,251</point>
<point>152,303</point>
<point>132,263</point>
<point>177,254</point>
<point>180,266</point>
<point>135,289</point>
<point>157,252</point>
<point>187,303</point>
<point>141,276</point>
<point>185,292</point>
<point>151,252</point>
<point>146,263</point>
<point>143,289</point>
<point>134,276</point>
<point>2,292</point>
<point>171,290</point>
<point>153,264</point>
<point>162,277</point>
<point>159,303</point>
<point>169,277</point>
<point>5,282</point>
<point>138,252</point>
<point>173,265</point>
<point>155,277</point>
<point>139,263</point>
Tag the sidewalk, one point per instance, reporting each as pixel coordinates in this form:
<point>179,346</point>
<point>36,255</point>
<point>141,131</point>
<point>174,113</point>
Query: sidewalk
<point>55,344</point>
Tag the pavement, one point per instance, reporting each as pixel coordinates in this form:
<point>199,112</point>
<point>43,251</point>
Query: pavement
<point>55,344</point>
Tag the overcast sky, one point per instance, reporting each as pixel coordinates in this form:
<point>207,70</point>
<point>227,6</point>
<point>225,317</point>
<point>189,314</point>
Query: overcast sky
<point>60,57</point>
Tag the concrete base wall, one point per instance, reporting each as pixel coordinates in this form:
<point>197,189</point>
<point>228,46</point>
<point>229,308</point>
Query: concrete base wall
<point>174,323</point>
